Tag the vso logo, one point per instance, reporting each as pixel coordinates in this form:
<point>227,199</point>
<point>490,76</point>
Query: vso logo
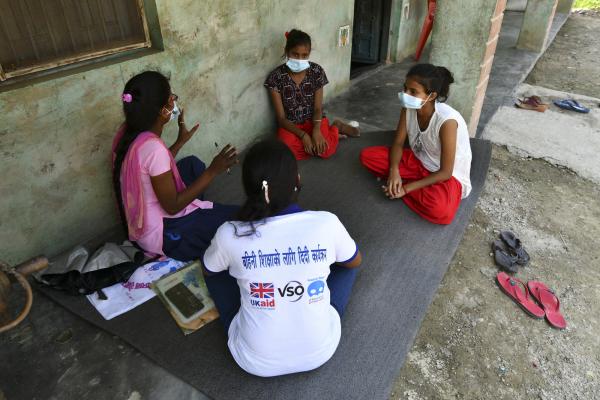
<point>293,291</point>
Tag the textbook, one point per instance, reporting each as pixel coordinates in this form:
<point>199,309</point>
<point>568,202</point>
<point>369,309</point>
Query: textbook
<point>185,295</point>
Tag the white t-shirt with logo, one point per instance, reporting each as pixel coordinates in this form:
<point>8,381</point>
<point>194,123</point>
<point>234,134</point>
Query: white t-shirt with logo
<point>286,323</point>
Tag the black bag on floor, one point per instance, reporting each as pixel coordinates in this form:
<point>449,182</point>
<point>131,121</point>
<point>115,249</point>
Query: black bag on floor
<point>75,282</point>
<point>77,273</point>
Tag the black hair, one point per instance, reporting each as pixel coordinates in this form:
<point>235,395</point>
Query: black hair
<point>271,161</point>
<point>296,37</point>
<point>150,92</point>
<point>433,79</point>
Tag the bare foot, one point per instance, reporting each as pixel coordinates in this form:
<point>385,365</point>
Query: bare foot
<point>346,129</point>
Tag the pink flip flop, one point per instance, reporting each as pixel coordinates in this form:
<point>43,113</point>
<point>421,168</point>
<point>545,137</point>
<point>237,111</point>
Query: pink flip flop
<point>518,292</point>
<point>549,302</point>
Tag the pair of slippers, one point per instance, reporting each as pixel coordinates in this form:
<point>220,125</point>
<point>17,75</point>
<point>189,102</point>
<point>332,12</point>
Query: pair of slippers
<point>535,298</point>
<point>534,103</point>
<point>572,105</point>
<point>509,252</point>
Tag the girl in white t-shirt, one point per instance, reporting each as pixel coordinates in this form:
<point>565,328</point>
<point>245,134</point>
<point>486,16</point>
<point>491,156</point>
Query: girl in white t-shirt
<point>433,175</point>
<point>283,274</point>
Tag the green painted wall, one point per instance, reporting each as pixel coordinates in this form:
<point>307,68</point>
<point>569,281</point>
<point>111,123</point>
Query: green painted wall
<point>55,136</point>
<point>537,22</point>
<point>405,31</point>
<point>564,6</point>
<point>516,5</point>
<point>461,46</point>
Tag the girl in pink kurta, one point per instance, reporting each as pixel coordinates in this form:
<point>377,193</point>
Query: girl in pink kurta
<point>159,199</point>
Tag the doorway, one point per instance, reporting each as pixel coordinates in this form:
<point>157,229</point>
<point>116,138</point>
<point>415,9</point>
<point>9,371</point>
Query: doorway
<point>370,35</point>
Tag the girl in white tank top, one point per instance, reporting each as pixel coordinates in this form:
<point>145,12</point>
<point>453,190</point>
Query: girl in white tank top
<point>434,174</point>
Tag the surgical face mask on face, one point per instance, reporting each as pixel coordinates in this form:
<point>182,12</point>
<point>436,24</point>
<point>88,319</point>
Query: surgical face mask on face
<point>408,101</point>
<point>174,113</point>
<point>297,65</point>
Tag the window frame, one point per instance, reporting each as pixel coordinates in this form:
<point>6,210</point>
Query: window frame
<point>80,58</point>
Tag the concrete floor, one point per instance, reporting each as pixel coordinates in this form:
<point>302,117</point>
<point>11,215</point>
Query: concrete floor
<point>511,65</point>
<point>570,139</point>
<point>54,355</point>
<point>571,62</point>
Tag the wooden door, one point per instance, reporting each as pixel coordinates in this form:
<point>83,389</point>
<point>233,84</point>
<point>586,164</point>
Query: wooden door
<point>366,35</point>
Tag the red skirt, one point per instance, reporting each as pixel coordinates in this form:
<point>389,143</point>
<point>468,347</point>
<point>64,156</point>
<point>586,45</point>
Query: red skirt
<point>436,203</point>
<point>330,134</point>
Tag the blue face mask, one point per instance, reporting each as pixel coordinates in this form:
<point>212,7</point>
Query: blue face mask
<point>174,113</point>
<point>297,65</point>
<point>408,101</point>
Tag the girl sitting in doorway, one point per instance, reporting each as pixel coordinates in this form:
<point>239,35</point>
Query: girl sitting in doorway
<point>433,175</point>
<point>160,200</point>
<point>296,89</point>
<point>284,275</point>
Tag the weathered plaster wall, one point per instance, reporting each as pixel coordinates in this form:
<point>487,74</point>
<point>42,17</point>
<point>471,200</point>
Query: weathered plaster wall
<point>405,31</point>
<point>537,22</point>
<point>516,5</point>
<point>55,136</point>
<point>459,41</point>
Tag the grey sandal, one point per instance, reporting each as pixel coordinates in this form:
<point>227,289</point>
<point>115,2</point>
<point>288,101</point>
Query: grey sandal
<point>515,246</point>
<point>503,257</point>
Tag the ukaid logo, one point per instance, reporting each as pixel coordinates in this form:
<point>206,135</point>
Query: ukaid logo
<point>292,291</point>
<point>262,295</point>
<point>315,290</point>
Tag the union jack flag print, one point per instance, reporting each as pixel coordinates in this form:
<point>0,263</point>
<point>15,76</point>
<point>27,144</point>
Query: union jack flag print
<point>262,290</point>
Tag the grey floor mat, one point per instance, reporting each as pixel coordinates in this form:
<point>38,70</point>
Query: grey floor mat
<point>404,257</point>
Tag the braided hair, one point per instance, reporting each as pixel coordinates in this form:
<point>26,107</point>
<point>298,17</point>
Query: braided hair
<point>144,96</point>
<point>269,177</point>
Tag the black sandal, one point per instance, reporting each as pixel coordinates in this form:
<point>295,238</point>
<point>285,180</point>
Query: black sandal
<point>503,257</point>
<point>515,246</point>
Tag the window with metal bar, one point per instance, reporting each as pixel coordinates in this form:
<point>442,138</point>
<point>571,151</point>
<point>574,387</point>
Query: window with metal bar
<point>37,35</point>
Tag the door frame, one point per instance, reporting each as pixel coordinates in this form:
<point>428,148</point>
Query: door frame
<point>384,42</point>
<point>384,39</point>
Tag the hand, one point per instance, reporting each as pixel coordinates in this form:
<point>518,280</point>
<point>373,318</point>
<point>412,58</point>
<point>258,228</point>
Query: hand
<point>224,160</point>
<point>320,145</point>
<point>185,134</point>
<point>389,195</point>
<point>308,144</point>
<point>393,189</point>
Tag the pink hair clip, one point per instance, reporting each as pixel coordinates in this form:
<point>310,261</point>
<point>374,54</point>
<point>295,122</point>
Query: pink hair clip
<point>287,35</point>
<point>127,98</point>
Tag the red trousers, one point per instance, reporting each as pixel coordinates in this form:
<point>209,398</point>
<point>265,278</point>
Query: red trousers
<point>330,134</point>
<point>436,203</point>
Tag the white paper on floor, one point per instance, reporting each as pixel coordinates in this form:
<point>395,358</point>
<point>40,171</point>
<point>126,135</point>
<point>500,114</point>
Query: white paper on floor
<point>125,296</point>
